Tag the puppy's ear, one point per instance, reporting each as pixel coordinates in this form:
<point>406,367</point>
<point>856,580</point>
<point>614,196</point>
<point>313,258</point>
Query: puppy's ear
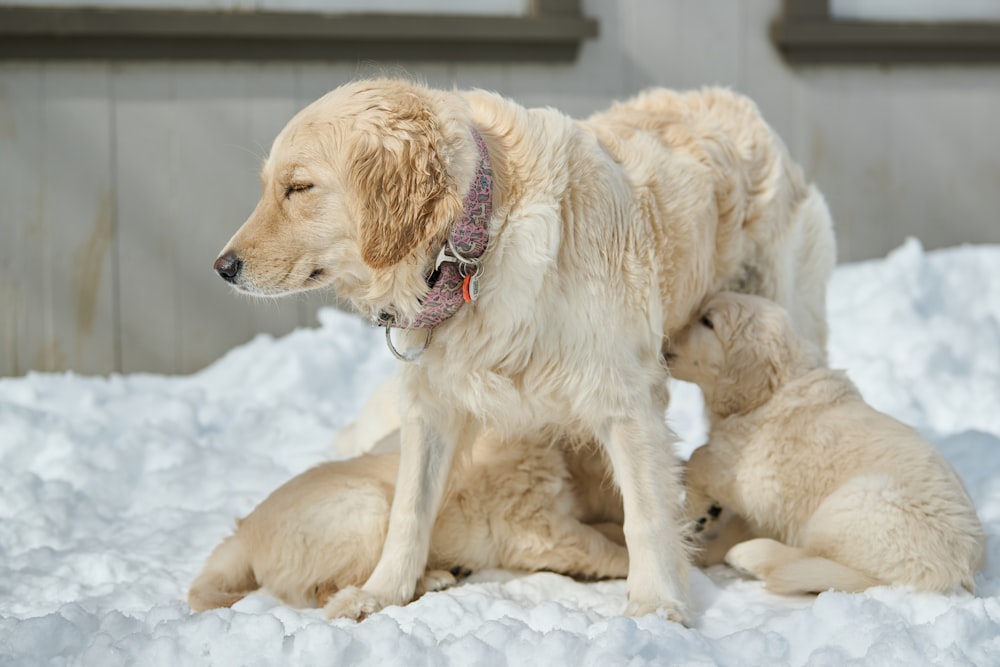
<point>755,366</point>
<point>399,177</point>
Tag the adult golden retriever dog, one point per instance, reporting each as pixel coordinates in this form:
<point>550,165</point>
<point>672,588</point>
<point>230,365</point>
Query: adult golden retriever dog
<point>840,495</point>
<point>509,505</point>
<point>533,265</point>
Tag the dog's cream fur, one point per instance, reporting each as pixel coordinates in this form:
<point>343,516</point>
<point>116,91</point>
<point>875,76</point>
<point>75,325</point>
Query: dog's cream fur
<point>606,235</point>
<point>840,496</point>
<point>509,505</point>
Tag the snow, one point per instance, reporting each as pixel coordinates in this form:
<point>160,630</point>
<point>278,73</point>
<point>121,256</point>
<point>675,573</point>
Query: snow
<point>114,490</point>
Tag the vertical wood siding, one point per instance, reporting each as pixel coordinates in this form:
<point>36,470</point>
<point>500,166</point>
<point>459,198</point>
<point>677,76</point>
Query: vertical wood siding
<point>119,183</point>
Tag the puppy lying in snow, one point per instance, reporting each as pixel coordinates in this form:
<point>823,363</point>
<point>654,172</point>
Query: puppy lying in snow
<point>839,495</point>
<point>507,506</point>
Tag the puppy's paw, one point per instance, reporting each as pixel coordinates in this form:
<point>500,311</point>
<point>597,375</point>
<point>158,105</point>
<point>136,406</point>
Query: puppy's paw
<point>667,610</point>
<point>352,602</point>
<point>705,526</point>
<point>434,580</point>
<point>751,558</point>
<point>324,591</point>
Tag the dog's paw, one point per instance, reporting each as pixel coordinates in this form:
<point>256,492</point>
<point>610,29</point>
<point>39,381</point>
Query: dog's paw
<point>324,591</point>
<point>749,558</point>
<point>704,526</point>
<point>352,602</point>
<point>434,580</point>
<point>667,610</point>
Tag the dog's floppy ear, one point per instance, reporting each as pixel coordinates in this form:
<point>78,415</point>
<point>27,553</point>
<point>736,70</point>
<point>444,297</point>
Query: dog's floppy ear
<point>399,176</point>
<point>756,358</point>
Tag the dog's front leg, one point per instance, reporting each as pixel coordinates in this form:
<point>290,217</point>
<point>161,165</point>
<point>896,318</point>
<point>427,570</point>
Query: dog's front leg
<point>647,473</point>
<point>425,460</point>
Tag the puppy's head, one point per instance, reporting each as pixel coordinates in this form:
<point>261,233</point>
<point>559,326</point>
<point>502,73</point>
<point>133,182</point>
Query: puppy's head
<point>357,190</point>
<point>739,350</point>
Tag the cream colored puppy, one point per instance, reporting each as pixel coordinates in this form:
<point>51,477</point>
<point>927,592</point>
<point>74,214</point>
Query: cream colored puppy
<point>840,495</point>
<point>531,266</point>
<point>508,506</point>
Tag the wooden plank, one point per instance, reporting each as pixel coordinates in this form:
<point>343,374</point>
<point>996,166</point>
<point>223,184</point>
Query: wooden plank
<point>21,239</point>
<point>765,77</point>
<point>79,220</point>
<point>945,186</point>
<point>830,41</point>
<point>491,77</point>
<point>682,45</point>
<point>147,197</point>
<point>216,188</point>
<point>590,83</point>
<point>647,40</point>
<point>845,132</point>
<point>312,80</point>
<point>153,34</point>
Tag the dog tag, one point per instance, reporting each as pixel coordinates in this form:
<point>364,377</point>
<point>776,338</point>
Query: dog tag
<point>470,287</point>
<point>474,286</point>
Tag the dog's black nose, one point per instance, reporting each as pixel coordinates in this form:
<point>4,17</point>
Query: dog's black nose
<point>229,266</point>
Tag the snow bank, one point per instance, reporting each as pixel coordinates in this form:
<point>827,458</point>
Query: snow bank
<point>115,489</point>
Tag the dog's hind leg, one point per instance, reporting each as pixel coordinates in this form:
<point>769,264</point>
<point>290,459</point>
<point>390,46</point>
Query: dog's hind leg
<point>564,545</point>
<point>815,575</point>
<point>226,578</point>
<point>789,570</point>
<point>760,556</point>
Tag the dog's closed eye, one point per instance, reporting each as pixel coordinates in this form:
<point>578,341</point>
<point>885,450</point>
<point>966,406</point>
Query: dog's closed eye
<point>297,187</point>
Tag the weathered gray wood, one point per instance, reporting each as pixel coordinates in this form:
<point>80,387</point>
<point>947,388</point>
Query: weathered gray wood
<point>217,187</point>
<point>171,152</point>
<point>22,244</point>
<point>155,33</point>
<point>495,78</point>
<point>146,188</point>
<point>587,85</point>
<point>945,158</point>
<point>764,76</point>
<point>78,220</point>
<point>682,44</point>
<point>312,81</point>
<point>843,139</point>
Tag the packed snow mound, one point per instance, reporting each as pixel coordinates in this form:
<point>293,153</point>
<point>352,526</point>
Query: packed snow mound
<point>116,489</point>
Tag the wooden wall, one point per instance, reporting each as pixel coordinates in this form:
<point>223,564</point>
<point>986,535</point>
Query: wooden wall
<point>119,183</point>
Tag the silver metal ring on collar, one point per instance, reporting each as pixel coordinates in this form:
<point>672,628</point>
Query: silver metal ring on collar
<point>462,259</point>
<point>412,356</point>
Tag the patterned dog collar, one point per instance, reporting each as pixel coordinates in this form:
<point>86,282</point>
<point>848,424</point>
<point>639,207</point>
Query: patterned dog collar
<point>454,280</point>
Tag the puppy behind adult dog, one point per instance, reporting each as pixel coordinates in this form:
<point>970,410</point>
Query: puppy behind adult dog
<point>510,506</point>
<point>536,264</point>
<point>840,496</point>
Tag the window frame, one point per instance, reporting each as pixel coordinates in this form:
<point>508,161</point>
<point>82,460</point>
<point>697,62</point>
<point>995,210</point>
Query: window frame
<point>551,31</point>
<point>807,33</point>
